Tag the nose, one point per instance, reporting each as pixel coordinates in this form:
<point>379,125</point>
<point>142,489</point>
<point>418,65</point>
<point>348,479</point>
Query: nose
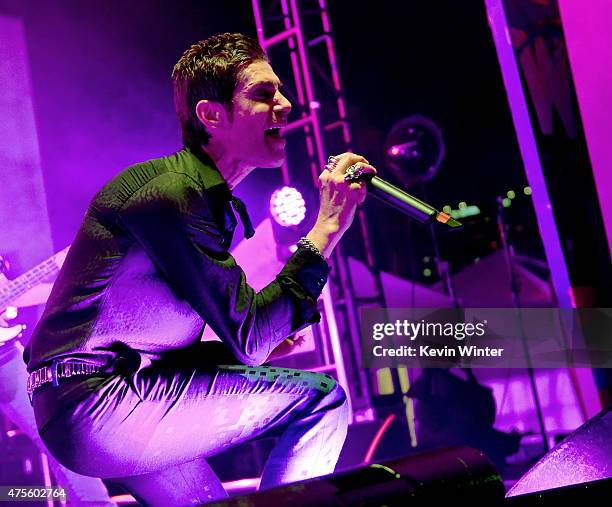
<point>282,106</point>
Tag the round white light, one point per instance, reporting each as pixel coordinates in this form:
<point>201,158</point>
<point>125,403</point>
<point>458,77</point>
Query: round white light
<point>287,206</point>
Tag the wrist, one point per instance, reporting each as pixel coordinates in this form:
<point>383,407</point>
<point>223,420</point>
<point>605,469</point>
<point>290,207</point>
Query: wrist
<point>307,244</point>
<point>329,226</point>
<point>324,237</point>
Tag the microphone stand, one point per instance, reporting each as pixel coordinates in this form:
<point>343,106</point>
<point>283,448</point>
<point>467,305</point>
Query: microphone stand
<point>442,267</point>
<point>515,288</point>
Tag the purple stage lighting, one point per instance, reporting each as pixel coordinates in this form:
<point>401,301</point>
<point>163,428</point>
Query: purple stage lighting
<point>401,150</point>
<point>414,149</point>
<point>287,206</point>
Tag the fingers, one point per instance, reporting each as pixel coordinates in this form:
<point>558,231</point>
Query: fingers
<point>364,168</point>
<point>342,188</point>
<point>347,170</point>
<point>340,163</point>
<point>336,169</point>
<point>363,191</point>
<point>9,313</point>
<point>338,172</point>
<point>359,189</point>
<point>353,172</point>
<point>358,173</point>
<point>346,160</point>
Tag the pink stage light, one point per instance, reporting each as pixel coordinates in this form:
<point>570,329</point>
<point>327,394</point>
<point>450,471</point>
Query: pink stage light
<point>287,206</point>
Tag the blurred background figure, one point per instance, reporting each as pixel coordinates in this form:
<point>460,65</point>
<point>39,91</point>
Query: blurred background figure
<point>33,289</point>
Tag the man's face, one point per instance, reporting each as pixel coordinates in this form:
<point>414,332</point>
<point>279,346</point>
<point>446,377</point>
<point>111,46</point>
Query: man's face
<point>253,133</point>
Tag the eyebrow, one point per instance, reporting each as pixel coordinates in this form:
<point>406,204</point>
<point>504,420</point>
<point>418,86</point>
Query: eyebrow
<point>264,83</point>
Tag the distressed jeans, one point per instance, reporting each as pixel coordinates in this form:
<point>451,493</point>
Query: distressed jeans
<point>15,404</point>
<point>152,431</point>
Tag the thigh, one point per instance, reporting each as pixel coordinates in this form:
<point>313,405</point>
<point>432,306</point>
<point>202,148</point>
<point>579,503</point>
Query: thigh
<point>165,416</point>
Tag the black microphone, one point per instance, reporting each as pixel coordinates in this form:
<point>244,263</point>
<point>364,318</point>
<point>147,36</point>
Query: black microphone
<point>406,203</point>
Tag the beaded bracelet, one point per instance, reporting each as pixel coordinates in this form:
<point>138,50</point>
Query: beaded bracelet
<point>309,245</point>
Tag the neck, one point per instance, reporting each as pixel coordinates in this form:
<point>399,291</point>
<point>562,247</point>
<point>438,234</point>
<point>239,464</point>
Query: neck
<point>232,170</point>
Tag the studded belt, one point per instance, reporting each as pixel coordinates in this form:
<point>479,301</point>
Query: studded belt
<point>51,374</point>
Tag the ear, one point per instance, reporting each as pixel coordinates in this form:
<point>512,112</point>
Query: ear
<point>211,113</point>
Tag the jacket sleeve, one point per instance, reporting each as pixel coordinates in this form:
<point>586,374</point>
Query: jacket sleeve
<point>171,218</point>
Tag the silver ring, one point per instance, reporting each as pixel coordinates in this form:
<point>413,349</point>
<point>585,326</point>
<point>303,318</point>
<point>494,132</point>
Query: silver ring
<point>353,173</point>
<point>332,162</point>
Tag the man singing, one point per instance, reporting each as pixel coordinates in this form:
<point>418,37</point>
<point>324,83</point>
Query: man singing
<point>122,386</point>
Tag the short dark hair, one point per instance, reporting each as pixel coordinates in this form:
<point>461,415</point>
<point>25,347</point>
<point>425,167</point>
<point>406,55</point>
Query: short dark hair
<point>209,70</point>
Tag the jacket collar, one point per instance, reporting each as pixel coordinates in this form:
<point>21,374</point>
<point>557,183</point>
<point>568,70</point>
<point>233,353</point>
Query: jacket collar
<point>206,168</point>
<point>218,188</point>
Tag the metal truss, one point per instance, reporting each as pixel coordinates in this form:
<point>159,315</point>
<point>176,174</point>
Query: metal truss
<point>300,33</point>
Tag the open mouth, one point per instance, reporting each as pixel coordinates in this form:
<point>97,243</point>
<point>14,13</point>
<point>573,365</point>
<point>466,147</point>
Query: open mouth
<point>274,132</point>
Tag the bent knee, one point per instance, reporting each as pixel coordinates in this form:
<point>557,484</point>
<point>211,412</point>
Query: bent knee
<point>328,390</point>
<point>338,393</point>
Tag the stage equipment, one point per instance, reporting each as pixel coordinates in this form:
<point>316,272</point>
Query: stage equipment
<point>516,303</point>
<point>287,206</point>
<point>414,150</point>
<point>454,411</point>
<point>290,218</point>
<point>584,456</point>
<point>300,43</point>
<point>453,474</point>
<point>586,493</point>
